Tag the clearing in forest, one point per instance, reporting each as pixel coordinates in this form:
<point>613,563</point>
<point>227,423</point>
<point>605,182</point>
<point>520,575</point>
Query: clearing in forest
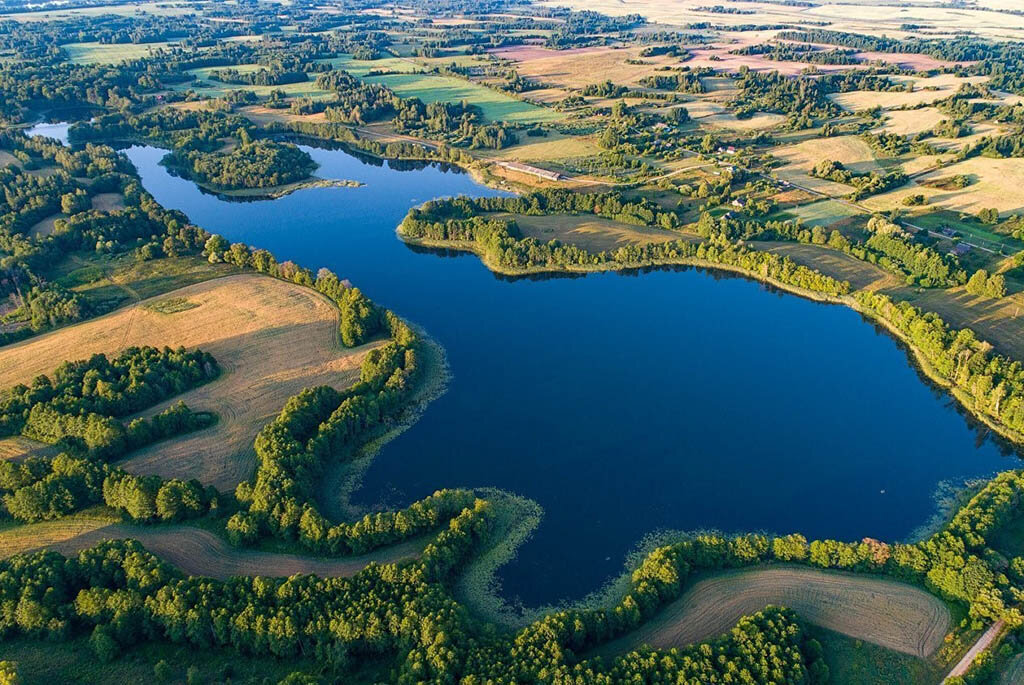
<point>592,233</point>
<point>271,339</point>
<point>193,550</point>
<point>894,615</point>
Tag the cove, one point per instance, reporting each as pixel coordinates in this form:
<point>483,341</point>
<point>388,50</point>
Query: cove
<point>623,403</point>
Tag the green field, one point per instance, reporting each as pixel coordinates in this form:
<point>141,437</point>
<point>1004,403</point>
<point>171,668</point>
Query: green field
<point>855,662</point>
<point>973,231</point>
<point>102,53</point>
<point>215,89</point>
<point>435,88</point>
<point>824,213</point>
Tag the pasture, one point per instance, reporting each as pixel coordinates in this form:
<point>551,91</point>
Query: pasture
<point>495,106</point>
<point>824,213</point>
<point>102,53</point>
<point>894,615</point>
<point>907,122</point>
<point>271,338</point>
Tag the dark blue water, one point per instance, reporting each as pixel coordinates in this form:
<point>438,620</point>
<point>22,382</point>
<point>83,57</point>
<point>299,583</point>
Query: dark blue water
<point>621,403</point>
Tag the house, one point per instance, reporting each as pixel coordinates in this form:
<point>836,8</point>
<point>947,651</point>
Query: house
<point>960,249</point>
<point>739,203</point>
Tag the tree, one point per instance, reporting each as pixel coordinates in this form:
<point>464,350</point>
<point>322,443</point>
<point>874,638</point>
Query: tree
<point>9,673</point>
<point>977,283</point>
<point>996,286</point>
<point>163,671</point>
<point>104,645</point>
<point>989,216</point>
<point>609,138</point>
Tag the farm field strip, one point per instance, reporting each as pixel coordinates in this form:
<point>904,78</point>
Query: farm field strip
<point>193,550</point>
<point>887,613</point>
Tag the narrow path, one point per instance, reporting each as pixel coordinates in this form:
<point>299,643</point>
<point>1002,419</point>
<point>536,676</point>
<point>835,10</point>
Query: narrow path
<point>981,645</point>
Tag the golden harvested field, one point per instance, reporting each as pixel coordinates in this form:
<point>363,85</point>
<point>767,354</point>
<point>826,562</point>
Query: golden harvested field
<point>999,322</point>
<point>801,158</point>
<point>858,16</point>
<point>926,90</point>
<point>579,67</point>
<point>911,121</point>
<point>193,550</point>
<point>271,338</point>
<point>887,613</point>
<point>592,233</point>
<point>997,183</point>
<point>833,263</point>
<point>19,447</point>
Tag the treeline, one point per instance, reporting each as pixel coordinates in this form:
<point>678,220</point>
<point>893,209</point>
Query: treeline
<point>259,77</point>
<point>686,81</point>
<point>888,247</point>
<point>988,384</point>
<point>500,246</point>
<point>789,52</point>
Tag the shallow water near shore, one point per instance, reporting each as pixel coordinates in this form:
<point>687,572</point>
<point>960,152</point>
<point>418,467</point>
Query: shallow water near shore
<point>623,403</point>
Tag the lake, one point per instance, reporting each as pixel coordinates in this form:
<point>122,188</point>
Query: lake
<point>622,403</point>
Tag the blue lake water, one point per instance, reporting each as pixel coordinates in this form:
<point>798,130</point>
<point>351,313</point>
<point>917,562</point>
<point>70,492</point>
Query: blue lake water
<point>622,403</point>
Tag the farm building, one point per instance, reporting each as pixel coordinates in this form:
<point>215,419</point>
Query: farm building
<point>532,170</point>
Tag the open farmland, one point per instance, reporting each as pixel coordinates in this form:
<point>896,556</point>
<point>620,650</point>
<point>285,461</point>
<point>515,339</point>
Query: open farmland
<point>102,53</point>
<point>495,106</point>
<point>824,213</point>
<point>271,338</point>
<point>926,91</point>
<point>911,121</point>
<point>860,274</point>
<point>995,183</point>
<point>894,615</point>
<point>193,550</point>
<point>799,159</point>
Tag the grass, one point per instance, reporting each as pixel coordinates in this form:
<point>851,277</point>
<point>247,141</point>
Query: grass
<point>855,662</point>
<point>17,538</point>
<point>800,158</point>
<point>592,233</point>
<point>109,281</point>
<point>194,550</point>
<point>833,263</point>
<point>824,213</point>
<point>271,338</point>
<point>972,230</point>
<point>894,615</point>
<point>171,305</point>
<point>996,183</point>
<point>215,89</point>
<point>495,106</point>
<point>102,53</point>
